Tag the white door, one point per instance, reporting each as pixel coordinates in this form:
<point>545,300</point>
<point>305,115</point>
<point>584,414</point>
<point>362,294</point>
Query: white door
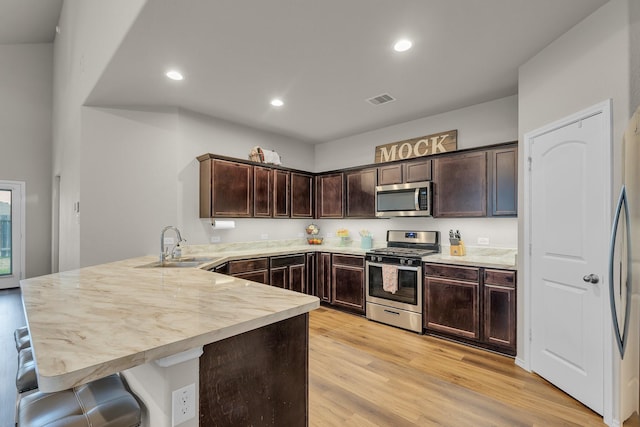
<point>11,233</point>
<point>569,231</point>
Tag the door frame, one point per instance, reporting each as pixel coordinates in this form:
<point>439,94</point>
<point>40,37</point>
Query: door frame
<point>19,186</point>
<point>609,368</point>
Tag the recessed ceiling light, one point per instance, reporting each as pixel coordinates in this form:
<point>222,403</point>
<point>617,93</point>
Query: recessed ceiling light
<point>276,102</point>
<point>402,45</point>
<point>174,75</point>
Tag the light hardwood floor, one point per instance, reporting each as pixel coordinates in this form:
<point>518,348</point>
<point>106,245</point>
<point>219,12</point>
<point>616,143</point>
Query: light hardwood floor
<point>366,374</point>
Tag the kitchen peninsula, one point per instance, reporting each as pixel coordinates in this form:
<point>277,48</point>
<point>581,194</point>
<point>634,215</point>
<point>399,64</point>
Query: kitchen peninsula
<point>88,323</point>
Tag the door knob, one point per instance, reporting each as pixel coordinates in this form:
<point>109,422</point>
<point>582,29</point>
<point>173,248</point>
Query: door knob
<point>591,278</point>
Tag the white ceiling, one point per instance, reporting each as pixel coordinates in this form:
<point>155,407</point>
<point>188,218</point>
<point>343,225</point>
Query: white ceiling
<point>324,58</point>
<point>28,21</point>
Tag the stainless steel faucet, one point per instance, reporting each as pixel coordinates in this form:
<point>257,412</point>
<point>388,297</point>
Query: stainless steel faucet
<point>163,252</point>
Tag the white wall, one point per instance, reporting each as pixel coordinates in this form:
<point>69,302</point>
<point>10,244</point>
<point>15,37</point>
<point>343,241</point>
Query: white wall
<point>90,32</point>
<point>585,66</point>
<point>478,125</point>
<point>25,144</point>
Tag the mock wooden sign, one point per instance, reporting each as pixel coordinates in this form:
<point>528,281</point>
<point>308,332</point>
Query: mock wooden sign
<point>417,147</point>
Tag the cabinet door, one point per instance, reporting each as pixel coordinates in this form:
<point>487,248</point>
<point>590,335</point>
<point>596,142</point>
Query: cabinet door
<point>323,284</point>
<point>301,195</point>
<point>279,277</point>
<point>460,185</point>
<point>330,196</point>
<point>297,278</point>
<point>390,174</point>
<point>348,286</point>
<point>311,274</point>
<point>260,276</point>
<point>417,171</point>
<point>500,316</point>
<point>503,188</point>
<point>262,192</point>
<point>361,193</point>
<point>232,189</point>
<point>451,306</point>
<point>281,194</point>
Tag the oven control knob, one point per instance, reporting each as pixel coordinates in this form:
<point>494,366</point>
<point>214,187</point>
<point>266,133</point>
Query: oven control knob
<point>409,262</point>
<point>403,261</point>
<point>379,259</point>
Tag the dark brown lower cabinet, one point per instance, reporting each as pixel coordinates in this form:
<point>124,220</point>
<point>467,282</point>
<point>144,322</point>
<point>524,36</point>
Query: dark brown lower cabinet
<point>289,272</point>
<point>311,274</point>
<point>259,378</point>
<point>347,277</point>
<point>500,309</point>
<point>476,305</point>
<point>452,306</point>
<point>256,269</point>
<point>323,277</point>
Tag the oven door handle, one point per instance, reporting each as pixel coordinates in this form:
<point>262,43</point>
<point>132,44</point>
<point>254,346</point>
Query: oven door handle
<point>400,267</point>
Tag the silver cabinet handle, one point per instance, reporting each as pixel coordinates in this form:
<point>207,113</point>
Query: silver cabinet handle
<point>591,278</point>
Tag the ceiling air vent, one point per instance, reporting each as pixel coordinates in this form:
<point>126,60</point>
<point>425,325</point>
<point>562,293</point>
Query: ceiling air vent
<point>381,99</point>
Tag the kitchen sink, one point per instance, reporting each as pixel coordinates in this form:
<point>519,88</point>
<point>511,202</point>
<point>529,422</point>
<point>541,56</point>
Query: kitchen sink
<point>182,262</point>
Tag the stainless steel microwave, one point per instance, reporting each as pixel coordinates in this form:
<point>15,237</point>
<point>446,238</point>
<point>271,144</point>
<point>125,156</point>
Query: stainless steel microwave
<point>412,199</point>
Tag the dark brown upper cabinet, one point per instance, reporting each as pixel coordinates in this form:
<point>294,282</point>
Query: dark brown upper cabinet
<point>405,172</point>
<point>330,196</point>
<point>460,185</point>
<point>361,193</point>
<point>226,189</point>
<point>262,192</point>
<point>503,181</point>
<point>301,195</point>
<point>281,194</point>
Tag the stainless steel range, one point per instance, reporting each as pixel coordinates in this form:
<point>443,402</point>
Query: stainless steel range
<point>394,278</point>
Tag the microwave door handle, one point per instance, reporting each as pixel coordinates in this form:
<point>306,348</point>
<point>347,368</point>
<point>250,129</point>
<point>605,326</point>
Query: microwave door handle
<point>417,199</point>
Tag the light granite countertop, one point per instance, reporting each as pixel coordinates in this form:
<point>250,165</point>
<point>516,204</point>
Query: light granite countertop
<point>91,322</point>
<point>221,253</point>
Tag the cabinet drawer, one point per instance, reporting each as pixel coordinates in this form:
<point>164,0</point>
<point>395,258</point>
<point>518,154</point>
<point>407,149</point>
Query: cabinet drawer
<point>350,260</point>
<point>246,265</point>
<point>500,277</point>
<point>284,261</point>
<point>452,272</point>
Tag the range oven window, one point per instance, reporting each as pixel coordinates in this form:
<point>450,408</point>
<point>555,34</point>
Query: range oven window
<point>407,285</point>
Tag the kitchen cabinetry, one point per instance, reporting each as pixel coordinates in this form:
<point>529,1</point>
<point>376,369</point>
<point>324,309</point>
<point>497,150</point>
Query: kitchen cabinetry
<point>452,297</point>
<point>301,195</point>
<point>330,196</point>
<point>262,192</point>
<point>361,193</point>
<point>500,309</point>
<point>256,269</point>
<point>503,181</point>
<point>281,193</point>
<point>323,277</point>
<point>289,272</point>
<point>348,286</point>
<point>226,189</point>
<point>311,273</point>
<point>460,185</point>
<point>405,172</point>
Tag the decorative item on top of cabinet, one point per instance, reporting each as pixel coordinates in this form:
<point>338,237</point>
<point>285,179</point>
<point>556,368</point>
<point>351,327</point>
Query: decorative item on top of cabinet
<point>301,195</point>
<point>281,194</point>
<point>460,185</point>
<point>255,269</point>
<point>361,193</point>
<point>348,285</point>
<point>452,296</point>
<point>330,195</point>
<point>226,188</point>
<point>503,181</point>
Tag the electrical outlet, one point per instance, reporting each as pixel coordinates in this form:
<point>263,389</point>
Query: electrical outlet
<point>264,236</point>
<point>215,239</point>
<point>184,404</point>
<point>483,241</point>
<point>301,234</point>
